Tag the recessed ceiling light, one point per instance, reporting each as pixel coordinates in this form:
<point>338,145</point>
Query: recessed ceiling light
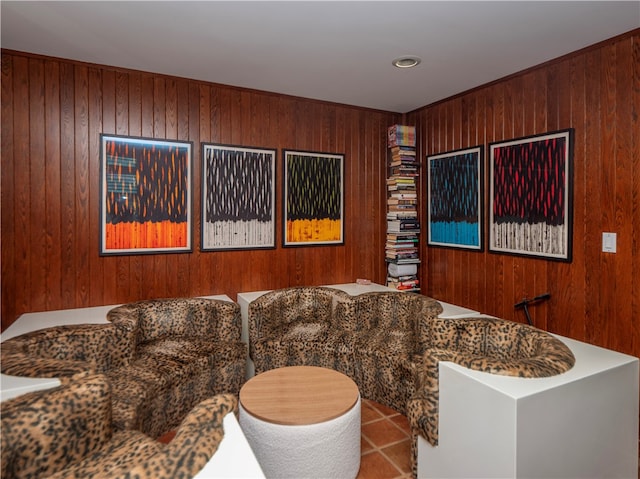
<point>406,62</point>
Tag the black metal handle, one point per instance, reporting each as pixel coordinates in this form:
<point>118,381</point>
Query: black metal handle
<point>526,302</point>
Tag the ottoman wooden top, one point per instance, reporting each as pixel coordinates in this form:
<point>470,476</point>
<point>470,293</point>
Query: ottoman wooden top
<point>298,395</point>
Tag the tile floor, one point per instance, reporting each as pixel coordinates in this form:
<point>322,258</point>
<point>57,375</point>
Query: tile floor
<point>385,443</point>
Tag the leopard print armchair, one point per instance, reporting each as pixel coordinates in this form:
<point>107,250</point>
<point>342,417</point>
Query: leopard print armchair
<point>66,432</point>
<point>298,326</point>
<point>391,343</point>
<point>162,357</point>
<point>486,344</point>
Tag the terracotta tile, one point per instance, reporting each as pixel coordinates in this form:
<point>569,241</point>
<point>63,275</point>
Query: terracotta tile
<point>402,422</point>
<point>365,445</point>
<point>368,412</point>
<point>386,411</point>
<point>383,432</point>
<point>375,466</point>
<point>400,455</point>
<point>167,437</point>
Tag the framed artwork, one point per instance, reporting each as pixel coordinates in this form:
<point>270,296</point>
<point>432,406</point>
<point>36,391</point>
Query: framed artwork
<point>313,198</point>
<point>145,195</point>
<point>454,196</point>
<point>530,196</point>
<point>238,197</point>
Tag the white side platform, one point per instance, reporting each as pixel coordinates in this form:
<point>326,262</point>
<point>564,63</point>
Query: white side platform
<point>581,424</point>
<point>234,457</point>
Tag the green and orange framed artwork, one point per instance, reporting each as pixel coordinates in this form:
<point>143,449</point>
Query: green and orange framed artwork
<point>313,198</point>
<point>145,195</point>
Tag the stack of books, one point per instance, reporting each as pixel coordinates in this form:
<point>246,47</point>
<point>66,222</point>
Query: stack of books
<point>403,224</point>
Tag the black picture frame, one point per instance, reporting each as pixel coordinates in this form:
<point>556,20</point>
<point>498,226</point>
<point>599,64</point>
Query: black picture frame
<point>238,197</point>
<point>313,198</point>
<point>145,195</point>
<point>454,199</point>
<point>531,196</point>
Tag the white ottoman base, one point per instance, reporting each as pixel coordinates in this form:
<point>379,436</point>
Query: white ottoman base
<point>324,450</point>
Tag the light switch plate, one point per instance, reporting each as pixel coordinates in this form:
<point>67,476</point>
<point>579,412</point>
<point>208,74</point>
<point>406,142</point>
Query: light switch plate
<point>609,242</point>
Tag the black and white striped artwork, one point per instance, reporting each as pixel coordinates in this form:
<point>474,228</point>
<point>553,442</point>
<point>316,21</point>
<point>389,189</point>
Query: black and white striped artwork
<point>238,197</point>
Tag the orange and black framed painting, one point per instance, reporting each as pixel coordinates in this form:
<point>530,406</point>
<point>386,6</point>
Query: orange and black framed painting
<point>145,195</point>
<point>313,198</point>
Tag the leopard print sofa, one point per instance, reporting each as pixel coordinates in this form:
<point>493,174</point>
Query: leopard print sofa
<point>66,432</point>
<point>161,357</point>
<point>390,344</point>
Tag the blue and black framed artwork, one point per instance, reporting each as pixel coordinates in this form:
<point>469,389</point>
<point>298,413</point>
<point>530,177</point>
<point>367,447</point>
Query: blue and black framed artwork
<point>454,196</point>
<point>531,204</point>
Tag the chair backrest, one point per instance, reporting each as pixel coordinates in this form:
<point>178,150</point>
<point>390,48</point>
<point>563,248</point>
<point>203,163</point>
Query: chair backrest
<point>45,431</point>
<point>311,304</point>
<point>198,317</point>
<point>62,351</point>
<point>395,313</point>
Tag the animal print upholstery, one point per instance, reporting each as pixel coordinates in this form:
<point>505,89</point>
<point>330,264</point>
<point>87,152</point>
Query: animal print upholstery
<point>391,343</point>
<point>162,357</point>
<point>66,432</point>
<point>299,326</point>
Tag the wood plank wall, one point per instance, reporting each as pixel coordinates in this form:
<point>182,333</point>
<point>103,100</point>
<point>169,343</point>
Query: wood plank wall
<point>53,112</point>
<point>595,298</point>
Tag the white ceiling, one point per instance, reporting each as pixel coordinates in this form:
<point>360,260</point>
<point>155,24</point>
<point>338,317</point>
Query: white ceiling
<point>328,50</point>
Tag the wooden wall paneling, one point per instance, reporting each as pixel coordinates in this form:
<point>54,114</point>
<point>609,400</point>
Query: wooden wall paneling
<point>37,176</point>
<point>623,224</point>
<point>365,227</point>
<point>7,218</point>
<point>21,184</point>
<point>561,275</point>
<point>607,191</point>
<point>95,113</point>
<point>52,184</point>
<point>588,90</point>
<point>575,297</point>
<point>82,186</point>
<point>67,186</point>
<point>634,126</point>
<point>591,193</point>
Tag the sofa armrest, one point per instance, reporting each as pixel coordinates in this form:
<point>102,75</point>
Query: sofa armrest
<point>196,441</point>
<point>46,431</point>
<point>17,363</point>
<point>70,349</point>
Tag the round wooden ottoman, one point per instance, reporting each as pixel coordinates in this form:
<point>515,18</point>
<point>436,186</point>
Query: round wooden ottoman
<point>302,422</point>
